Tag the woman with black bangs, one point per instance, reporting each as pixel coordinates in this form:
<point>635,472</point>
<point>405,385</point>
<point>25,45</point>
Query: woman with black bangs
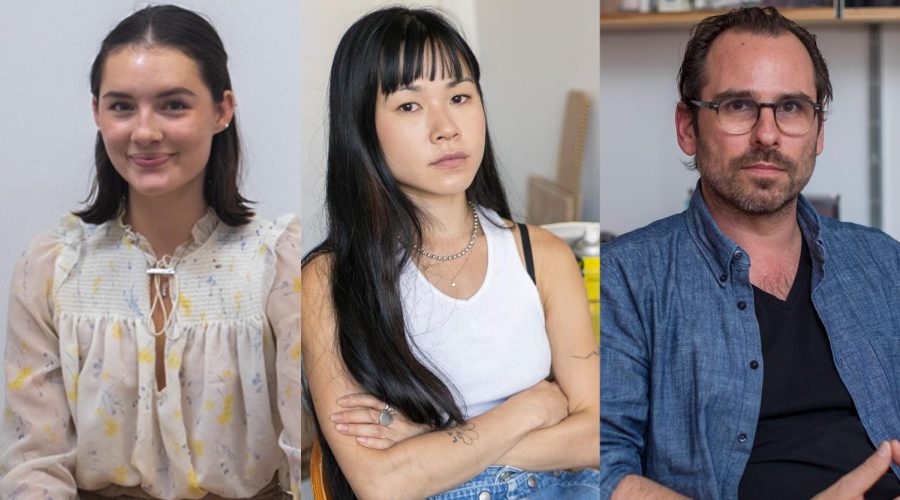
<point>153,342</point>
<point>430,320</point>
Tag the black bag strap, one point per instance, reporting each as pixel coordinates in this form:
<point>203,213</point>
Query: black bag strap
<point>526,249</point>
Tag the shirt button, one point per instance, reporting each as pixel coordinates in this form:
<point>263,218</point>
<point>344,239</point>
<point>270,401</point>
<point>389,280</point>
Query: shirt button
<point>532,481</point>
<point>484,495</point>
<point>504,476</point>
<point>742,305</point>
<point>754,364</point>
<point>738,254</point>
<point>742,438</point>
<point>723,278</point>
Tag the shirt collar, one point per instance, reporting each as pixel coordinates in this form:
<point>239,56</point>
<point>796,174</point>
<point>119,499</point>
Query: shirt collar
<point>718,250</point>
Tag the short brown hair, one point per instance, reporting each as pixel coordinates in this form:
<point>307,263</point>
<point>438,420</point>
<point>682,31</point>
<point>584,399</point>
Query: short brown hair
<point>766,21</point>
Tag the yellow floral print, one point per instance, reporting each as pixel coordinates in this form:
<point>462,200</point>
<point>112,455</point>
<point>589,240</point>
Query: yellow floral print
<point>18,382</point>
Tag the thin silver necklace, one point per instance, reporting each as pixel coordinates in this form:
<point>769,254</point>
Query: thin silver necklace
<point>462,252</point>
<point>452,280</point>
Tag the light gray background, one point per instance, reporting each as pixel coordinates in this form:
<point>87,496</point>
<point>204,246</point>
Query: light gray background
<point>47,130</point>
<point>531,52</point>
<point>642,176</point>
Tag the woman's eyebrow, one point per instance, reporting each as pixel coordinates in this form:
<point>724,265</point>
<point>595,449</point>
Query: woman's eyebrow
<point>459,81</point>
<point>117,94</point>
<point>176,91</point>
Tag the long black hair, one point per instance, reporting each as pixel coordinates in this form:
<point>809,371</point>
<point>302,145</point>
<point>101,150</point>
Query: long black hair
<point>188,32</point>
<point>372,224</point>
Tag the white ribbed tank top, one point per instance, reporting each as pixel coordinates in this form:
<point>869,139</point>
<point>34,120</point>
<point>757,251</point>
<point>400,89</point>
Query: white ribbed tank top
<point>489,346</point>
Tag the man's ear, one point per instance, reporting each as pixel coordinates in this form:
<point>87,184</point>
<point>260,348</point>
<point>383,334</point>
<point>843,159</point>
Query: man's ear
<point>820,139</point>
<point>684,126</point>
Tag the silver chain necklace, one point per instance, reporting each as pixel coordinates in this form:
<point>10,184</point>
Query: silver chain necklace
<point>462,252</point>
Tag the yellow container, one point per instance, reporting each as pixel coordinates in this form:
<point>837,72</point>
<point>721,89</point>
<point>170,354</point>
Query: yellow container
<point>590,268</point>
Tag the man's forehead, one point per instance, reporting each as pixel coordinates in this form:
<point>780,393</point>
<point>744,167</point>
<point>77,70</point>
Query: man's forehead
<point>739,61</point>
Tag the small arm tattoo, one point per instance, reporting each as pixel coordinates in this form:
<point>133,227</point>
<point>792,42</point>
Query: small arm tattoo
<point>465,434</point>
<point>588,355</point>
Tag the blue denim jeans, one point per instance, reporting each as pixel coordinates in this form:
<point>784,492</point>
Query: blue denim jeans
<point>508,483</point>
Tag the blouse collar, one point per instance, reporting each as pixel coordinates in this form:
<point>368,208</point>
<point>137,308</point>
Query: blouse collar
<point>200,233</point>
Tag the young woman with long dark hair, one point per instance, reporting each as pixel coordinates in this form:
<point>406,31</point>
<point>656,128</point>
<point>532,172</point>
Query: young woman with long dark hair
<point>153,341</point>
<point>430,320</point>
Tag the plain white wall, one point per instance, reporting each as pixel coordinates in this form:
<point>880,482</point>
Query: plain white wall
<point>642,178</point>
<point>48,132</point>
<point>531,53</point>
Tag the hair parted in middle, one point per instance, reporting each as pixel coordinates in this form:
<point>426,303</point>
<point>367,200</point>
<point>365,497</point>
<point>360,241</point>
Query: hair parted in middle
<point>181,29</point>
<point>372,223</point>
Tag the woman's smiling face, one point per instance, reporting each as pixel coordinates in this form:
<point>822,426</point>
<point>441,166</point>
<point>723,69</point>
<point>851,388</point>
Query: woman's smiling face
<point>157,119</point>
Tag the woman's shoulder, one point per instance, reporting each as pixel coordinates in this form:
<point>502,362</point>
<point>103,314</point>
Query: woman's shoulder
<point>271,233</point>
<point>316,271</point>
<point>544,244</point>
<point>48,251</point>
<point>551,245</point>
<point>540,238</point>
<point>49,244</point>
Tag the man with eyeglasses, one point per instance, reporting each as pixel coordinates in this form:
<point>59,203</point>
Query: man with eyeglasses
<point>751,348</point>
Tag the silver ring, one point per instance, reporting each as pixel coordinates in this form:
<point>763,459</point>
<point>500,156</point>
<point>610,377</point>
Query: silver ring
<point>386,417</point>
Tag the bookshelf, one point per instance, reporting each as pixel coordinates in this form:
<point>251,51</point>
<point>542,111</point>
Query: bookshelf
<point>806,16</point>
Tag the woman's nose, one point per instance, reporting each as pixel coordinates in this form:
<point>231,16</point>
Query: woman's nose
<point>443,126</point>
<point>146,129</point>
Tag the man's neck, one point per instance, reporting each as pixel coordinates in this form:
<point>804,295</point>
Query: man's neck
<point>772,241</point>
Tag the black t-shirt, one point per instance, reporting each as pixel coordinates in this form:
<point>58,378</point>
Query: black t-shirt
<point>809,433</point>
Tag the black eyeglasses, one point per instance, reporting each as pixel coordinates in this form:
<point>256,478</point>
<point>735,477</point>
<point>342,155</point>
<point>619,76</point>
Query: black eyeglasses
<point>738,115</point>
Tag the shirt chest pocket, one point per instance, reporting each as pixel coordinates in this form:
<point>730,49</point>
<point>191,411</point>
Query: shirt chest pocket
<point>887,350</point>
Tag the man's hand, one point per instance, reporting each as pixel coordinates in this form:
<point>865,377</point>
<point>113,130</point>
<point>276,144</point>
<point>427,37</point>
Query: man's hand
<point>858,481</point>
<point>360,418</point>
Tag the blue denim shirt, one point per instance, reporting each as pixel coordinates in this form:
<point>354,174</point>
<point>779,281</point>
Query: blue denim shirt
<point>679,399</point>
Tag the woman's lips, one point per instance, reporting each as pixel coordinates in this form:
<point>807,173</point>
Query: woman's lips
<point>149,160</point>
<point>450,160</point>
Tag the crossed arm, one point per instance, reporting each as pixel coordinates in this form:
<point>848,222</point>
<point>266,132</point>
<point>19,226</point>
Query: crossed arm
<point>548,426</point>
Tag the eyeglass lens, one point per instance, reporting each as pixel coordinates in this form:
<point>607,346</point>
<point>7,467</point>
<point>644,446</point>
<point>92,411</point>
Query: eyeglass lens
<point>793,116</point>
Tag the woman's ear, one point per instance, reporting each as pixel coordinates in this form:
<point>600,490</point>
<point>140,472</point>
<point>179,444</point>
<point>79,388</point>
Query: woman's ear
<point>225,110</point>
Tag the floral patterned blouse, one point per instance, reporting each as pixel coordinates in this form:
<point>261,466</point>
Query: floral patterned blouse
<point>83,409</point>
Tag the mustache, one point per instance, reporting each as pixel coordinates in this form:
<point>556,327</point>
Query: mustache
<point>772,156</point>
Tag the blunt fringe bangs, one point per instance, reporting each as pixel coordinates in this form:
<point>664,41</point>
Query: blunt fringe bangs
<point>428,48</point>
<point>181,29</point>
<point>372,224</point>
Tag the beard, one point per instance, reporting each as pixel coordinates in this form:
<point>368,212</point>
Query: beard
<point>754,195</point>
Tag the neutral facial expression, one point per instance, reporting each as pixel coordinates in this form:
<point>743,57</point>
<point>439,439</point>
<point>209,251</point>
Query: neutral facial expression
<point>432,135</point>
<point>763,170</point>
<point>157,118</point>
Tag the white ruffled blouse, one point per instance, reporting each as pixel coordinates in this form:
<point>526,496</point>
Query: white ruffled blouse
<point>83,410</point>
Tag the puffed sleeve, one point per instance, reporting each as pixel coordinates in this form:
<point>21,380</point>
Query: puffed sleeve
<point>283,309</point>
<point>37,435</point>
<point>624,376</point>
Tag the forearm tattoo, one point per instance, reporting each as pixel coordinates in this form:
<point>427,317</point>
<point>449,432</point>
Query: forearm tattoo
<point>465,434</point>
<point>588,355</point>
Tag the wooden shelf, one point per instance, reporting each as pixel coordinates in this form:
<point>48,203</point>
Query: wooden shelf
<point>875,15</point>
<point>807,16</point>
